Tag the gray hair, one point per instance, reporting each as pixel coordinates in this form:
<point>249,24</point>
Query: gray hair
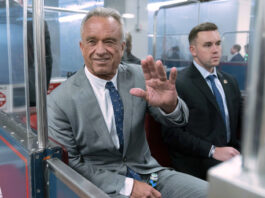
<point>103,12</point>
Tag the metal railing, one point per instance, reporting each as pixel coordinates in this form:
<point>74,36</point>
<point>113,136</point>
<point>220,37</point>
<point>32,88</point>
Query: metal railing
<point>74,181</point>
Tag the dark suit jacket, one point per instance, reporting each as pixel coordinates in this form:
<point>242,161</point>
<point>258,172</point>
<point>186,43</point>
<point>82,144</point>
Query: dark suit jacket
<point>237,58</point>
<point>190,145</point>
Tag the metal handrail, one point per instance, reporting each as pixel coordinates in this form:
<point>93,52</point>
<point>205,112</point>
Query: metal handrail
<point>57,9</point>
<point>76,182</point>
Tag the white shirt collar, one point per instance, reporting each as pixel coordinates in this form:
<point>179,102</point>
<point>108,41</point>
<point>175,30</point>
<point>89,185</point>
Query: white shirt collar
<point>98,82</point>
<point>203,71</point>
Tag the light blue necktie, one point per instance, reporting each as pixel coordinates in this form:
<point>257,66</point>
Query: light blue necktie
<point>118,111</point>
<point>219,100</point>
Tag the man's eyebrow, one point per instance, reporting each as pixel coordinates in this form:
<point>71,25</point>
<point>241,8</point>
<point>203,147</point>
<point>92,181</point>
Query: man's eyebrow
<point>207,43</point>
<point>89,37</point>
<point>110,38</point>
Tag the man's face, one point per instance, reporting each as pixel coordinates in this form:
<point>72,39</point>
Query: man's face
<point>102,46</point>
<point>233,50</point>
<point>206,49</point>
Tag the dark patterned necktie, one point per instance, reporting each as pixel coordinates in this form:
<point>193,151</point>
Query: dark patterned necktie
<point>219,100</point>
<point>118,114</point>
<point>118,111</point>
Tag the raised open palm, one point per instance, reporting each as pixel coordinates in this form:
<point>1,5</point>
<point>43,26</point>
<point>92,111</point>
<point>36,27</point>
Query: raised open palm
<point>160,91</point>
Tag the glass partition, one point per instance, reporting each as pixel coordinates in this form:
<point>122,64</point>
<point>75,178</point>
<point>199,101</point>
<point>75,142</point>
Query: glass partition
<point>240,38</point>
<point>64,27</point>
<point>12,81</point>
<point>172,26</point>
<point>17,53</point>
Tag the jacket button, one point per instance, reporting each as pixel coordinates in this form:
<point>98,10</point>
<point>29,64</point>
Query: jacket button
<point>124,159</point>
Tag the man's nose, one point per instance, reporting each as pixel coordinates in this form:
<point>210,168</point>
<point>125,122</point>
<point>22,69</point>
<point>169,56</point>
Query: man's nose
<point>215,48</point>
<point>100,48</point>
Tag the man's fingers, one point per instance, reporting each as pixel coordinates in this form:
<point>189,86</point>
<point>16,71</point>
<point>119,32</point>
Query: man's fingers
<point>151,66</point>
<point>161,71</point>
<point>173,75</point>
<point>235,152</point>
<point>156,193</point>
<point>138,92</point>
<point>147,74</point>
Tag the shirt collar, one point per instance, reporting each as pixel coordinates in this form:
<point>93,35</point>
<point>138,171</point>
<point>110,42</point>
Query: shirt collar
<point>203,71</point>
<point>98,82</point>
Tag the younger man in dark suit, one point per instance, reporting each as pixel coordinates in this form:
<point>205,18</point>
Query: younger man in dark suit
<point>214,103</point>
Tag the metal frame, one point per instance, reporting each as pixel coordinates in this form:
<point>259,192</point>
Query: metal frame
<point>57,9</point>
<point>40,71</point>
<point>155,19</point>
<point>254,132</point>
<point>76,182</point>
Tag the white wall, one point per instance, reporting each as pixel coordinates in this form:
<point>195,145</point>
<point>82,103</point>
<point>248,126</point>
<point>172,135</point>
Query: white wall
<point>243,22</point>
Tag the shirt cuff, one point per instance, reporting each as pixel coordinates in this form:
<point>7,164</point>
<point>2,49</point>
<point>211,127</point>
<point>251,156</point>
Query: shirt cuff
<point>127,187</point>
<point>211,152</point>
<point>176,114</point>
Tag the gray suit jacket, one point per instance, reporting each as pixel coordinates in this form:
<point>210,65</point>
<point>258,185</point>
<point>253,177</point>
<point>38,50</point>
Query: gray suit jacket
<point>76,121</point>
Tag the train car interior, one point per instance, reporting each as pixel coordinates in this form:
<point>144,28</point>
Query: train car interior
<point>39,49</point>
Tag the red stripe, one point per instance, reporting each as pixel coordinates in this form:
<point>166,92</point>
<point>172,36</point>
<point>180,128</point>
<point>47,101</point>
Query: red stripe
<point>23,158</point>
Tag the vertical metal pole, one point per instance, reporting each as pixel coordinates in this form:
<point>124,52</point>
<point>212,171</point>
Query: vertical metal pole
<point>155,33</point>
<point>26,66</point>
<point>137,28</point>
<point>9,55</point>
<point>254,123</point>
<point>40,71</point>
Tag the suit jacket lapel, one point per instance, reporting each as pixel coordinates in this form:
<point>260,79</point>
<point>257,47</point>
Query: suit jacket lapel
<point>89,103</point>
<point>125,83</point>
<point>201,84</point>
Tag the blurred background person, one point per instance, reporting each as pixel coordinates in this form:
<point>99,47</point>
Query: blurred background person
<point>173,53</point>
<point>128,56</point>
<point>235,51</point>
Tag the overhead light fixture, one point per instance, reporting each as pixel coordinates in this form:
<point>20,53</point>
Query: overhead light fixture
<point>157,5</point>
<point>128,16</point>
<point>86,5</point>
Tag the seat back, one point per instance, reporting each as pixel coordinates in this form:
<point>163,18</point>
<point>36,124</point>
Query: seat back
<point>158,148</point>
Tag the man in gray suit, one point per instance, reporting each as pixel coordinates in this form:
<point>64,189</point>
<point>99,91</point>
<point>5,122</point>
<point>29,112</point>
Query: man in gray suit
<point>82,116</point>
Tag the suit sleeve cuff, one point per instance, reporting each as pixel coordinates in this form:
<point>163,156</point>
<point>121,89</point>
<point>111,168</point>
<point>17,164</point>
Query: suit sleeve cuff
<point>180,113</point>
<point>127,187</point>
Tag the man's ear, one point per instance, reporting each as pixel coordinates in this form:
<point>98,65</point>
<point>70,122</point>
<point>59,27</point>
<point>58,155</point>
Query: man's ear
<point>123,46</point>
<point>193,50</point>
<point>81,46</point>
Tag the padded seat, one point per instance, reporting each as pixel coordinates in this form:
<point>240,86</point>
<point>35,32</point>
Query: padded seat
<point>158,148</point>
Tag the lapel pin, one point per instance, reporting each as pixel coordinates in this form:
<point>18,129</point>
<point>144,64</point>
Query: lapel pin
<point>225,82</point>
